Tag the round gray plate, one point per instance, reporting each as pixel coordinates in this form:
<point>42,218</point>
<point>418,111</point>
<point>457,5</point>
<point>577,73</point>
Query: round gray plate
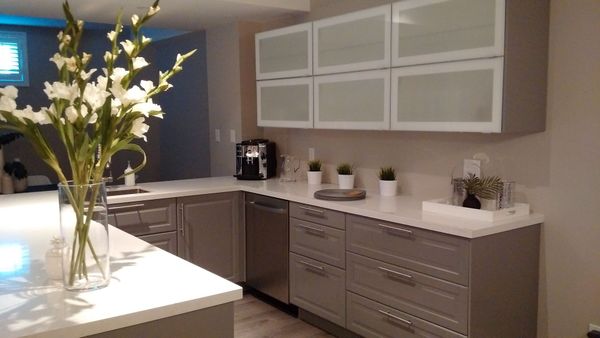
<point>340,194</point>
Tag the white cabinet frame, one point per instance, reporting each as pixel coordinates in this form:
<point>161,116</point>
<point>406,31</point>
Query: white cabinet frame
<point>359,125</point>
<point>261,122</point>
<point>375,64</point>
<point>491,51</point>
<point>306,27</point>
<point>493,126</point>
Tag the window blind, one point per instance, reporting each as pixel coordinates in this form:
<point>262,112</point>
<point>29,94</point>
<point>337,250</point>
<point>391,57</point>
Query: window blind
<point>13,59</point>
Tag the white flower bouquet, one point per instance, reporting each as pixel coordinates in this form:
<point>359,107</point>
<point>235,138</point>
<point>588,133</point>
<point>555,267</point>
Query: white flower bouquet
<point>93,118</point>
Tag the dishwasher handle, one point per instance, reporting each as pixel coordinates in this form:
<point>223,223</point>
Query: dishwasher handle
<point>267,208</point>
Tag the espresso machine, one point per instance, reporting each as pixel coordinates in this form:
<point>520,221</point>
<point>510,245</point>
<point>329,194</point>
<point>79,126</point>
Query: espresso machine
<point>255,160</point>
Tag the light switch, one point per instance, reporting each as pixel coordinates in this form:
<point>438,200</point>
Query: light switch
<point>217,135</point>
<point>232,135</point>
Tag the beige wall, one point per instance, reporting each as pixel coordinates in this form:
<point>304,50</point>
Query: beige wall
<point>231,91</point>
<point>558,171</point>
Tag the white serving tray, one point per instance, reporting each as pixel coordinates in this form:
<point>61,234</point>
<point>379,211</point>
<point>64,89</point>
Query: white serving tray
<point>442,206</point>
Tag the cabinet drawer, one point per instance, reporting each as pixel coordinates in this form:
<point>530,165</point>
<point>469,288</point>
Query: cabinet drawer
<point>318,288</point>
<point>146,217</point>
<point>166,241</point>
<point>372,319</point>
<point>433,253</point>
<point>318,241</point>
<point>432,299</point>
<point>311,213</point>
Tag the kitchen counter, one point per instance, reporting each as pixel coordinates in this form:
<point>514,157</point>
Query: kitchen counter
<point>147,283</point>
<point>399,209</point>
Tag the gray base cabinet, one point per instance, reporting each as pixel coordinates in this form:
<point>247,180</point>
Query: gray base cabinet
<point>317,262</point>
<point>209,233</point>
<point>153,221</point>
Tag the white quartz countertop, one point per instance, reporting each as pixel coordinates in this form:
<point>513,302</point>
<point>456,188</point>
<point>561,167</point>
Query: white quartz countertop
<point>147,283</point>
<point>399,209</point>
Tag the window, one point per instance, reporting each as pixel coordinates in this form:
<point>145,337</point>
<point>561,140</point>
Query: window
<point>13,59</point>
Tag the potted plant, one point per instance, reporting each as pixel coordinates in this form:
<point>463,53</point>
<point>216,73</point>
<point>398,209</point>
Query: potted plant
<point>314,172</point>
<point>345,176</point>
<point>19,175</point>
<point>4,140</point>
<point>388,184</point>
<point>484,187</point>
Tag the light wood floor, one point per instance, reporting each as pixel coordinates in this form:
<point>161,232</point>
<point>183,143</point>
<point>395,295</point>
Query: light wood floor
<point>254,318</point>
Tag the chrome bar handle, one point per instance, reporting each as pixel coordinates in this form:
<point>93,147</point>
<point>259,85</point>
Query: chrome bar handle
<point>182,222</point>
<point>123,207</point>
<point>394,230</point>
<point>401,320</point>
<point>312,230</point>
<point>313,210</point>
<point>396,273</point>
<point>320,268</point>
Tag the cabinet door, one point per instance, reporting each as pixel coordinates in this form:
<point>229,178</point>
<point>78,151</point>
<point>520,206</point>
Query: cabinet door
<point>427,31</point>
<point>209,233</point>
<point>166,241</point>
<point>319,288</point>
<point>453,96</point>
<point>285,52</point>
<point>353,100</point>
<point>285,103</point>
<point>354,41</point>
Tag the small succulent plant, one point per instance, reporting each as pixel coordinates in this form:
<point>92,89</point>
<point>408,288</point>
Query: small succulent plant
<point>314,165</point>
<point>387,174</point>
<point>344,169</point>
<point>485,187</point>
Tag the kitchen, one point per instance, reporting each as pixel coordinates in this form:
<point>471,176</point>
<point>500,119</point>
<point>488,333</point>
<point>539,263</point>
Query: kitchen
<point>556,169</point>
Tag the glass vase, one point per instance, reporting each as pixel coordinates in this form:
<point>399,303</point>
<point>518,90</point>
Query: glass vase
<point>84,230</point>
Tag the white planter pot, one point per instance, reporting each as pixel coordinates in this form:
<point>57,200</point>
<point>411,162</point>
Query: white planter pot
<point>314,177</point>
<point>388,188</point>
<point>346,181</point>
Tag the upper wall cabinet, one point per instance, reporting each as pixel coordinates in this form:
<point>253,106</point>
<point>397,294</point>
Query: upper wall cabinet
<point>285,52</point>
<point>354,41</point>
<point>428,31</point>
<point>285,103</point>
<point>449,96</point>
<point>359,100</point>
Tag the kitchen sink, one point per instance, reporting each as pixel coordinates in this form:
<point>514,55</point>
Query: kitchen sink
<point>128,191</point>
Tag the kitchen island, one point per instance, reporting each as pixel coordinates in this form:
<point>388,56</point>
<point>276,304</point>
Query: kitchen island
<point>151,292</point>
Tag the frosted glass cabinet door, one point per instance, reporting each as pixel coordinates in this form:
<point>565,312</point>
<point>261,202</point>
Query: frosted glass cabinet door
<point>285,103</point>
<point>428,31</point>
<point>452,96</point>
<point>285,52</point>
<point>353,100</point>
<point>354,41</point>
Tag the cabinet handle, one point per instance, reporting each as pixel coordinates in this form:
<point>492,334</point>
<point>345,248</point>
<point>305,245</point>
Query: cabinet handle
<point>396,273</point>
<point>394,230</point>
<point>401,320</point>
<point>267,208</point>
<point>320,268</point>
<point>312,230</point>
<point>123,207</point>
<point>313,210</point>
<point>182,223</point>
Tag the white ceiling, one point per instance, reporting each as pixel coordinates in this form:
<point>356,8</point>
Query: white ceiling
<point>174,14</point>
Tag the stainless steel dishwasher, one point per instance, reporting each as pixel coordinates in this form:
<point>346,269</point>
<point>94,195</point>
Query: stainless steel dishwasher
<point>267,248</point>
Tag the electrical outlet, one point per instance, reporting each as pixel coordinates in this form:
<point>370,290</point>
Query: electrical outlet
<point>594,327</point>
<point>311,154</point>
<point>232,135</point>
<point>217,135</point>
<point>471,167</point>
